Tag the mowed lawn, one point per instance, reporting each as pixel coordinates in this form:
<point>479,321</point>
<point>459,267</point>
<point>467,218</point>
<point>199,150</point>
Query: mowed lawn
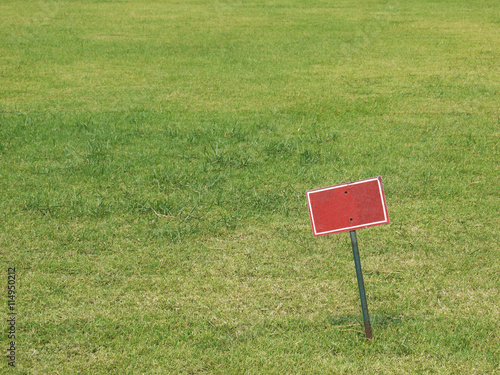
<point>154,158</point>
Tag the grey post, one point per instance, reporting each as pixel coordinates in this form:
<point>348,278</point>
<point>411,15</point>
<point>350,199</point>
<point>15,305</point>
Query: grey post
<point>361,285</point>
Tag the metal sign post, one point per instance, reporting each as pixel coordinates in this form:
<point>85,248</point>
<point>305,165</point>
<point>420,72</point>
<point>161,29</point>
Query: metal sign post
<point>361,286</point>
<point>347,207</point>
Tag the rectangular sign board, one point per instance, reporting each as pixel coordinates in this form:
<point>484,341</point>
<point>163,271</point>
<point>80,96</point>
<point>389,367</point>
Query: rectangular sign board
<point>347,206</point>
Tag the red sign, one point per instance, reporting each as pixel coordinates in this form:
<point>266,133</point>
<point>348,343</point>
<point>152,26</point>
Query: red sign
<point>347,207</point>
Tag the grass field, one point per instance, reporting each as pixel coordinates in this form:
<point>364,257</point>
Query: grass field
<point>154,158</point>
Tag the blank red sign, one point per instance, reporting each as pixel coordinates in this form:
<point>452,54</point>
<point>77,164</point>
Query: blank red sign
<point>347,207</point>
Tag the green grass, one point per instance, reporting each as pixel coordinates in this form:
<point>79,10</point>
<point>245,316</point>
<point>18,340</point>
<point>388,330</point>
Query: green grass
<point>154,158</point>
